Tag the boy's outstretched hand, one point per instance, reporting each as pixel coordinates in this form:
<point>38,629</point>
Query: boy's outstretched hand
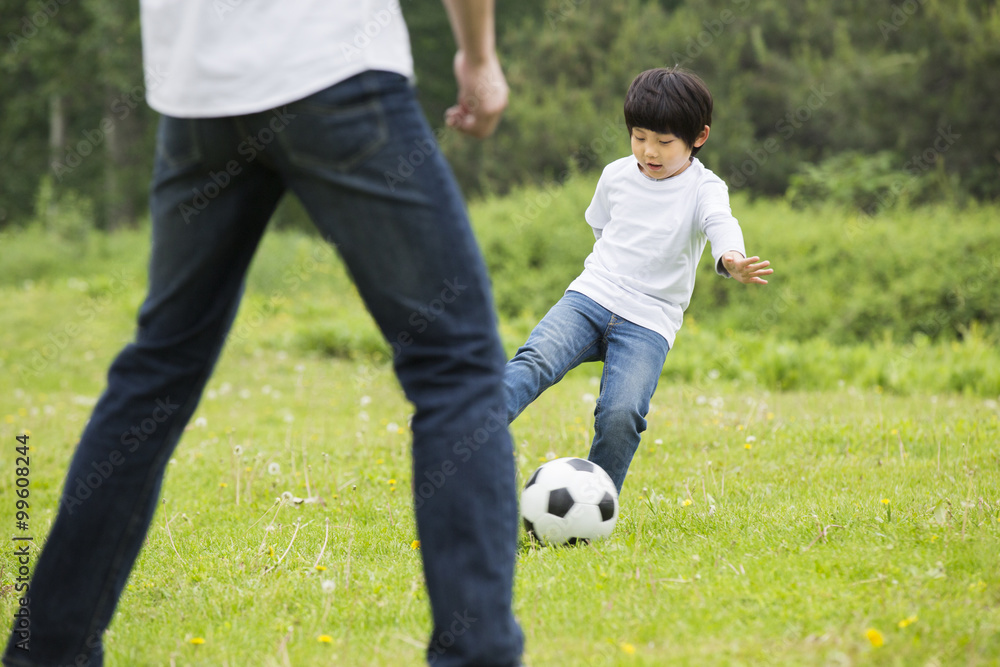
<point>746,269</point>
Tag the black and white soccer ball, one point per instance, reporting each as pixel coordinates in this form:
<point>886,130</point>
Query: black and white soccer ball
<point>568,500</point>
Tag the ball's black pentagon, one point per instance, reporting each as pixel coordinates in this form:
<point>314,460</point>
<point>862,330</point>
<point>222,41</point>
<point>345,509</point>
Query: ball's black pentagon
<point>529,527</point>
<point>533,478</point>
<point>607,506</point>
<point>582,465</point>
<point>560,502</point>
<point>578,540</point>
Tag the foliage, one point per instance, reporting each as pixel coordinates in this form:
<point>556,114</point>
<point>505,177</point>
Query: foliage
<point>796,84</point>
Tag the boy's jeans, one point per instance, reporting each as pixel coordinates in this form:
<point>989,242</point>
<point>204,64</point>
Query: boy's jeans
<point>576,330</point>
<point>364,163</point>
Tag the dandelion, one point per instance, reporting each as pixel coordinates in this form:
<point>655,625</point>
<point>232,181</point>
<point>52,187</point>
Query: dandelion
<point>222,485</point>
<point>365,400</point>
<point>687,501</point>
<point>415,544</point>
<point>909,620</point>
<point>197,641</point>
<point>273,468</point>
<point>875,637</point>
<point>392,481</point>
<point>329,586</point>
<point>392,427</point>
<point>201,422</point>
<point>627,648</point>
<point>748,446</point>
<point>237,450</point>
<point>751,438</point>
<point>326,639</point>
<point>770,416</point>
<point>321,568</point>
<point>379,461</point>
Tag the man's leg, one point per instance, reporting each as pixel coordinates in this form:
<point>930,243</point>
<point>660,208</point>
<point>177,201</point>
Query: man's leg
<point>570,333</point>
<point>365,165</point>
<point>205,231</point>
<point>632,366</point>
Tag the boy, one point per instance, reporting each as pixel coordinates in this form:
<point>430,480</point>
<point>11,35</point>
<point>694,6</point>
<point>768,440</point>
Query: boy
<point>652,214</point>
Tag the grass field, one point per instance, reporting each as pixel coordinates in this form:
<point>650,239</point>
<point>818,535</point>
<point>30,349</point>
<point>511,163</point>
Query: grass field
<point>850,524</point>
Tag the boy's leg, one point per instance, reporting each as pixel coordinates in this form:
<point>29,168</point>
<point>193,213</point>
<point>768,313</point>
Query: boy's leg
<point>200,253</point>
<point>363,161</point>
<point>632,366</point>
<point>569,334</point>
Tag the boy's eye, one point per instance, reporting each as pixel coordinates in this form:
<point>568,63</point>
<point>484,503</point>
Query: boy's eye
<point>669,141</point>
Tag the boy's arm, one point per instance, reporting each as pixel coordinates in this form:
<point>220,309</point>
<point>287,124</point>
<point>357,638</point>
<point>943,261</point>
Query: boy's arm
<point>745,269</point>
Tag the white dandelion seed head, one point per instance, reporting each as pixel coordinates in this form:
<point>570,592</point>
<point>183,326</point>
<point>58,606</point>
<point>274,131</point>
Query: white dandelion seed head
<point>244,394</point>
<point>365,400</point>
<point>266,389</point>
<point>329,585</point>
<point>274,468</point>
<point>286,496</point>
<point>238,450</point>
<point>751,438</point>
<point>201,422</point>
<point>392,427</point>
<point>714,374</point>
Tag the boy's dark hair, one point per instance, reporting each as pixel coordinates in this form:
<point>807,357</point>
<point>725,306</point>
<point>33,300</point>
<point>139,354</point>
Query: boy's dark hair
<point>669,100</point>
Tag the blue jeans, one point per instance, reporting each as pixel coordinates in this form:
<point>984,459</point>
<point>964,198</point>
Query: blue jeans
<point>364,163</point>
<point>576,330</point>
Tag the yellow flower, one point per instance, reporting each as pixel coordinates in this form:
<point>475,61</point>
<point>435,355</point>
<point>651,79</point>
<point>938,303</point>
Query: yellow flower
<point>222,485</point>
<point>380,461</point>
<point>326,639</point>
<point>748,446</point>
<point>9,419</point>
<point>627,648</point>
<point>909,620</point>
<point>875,637</point>
<point>321,568</point>
<point>894,431</point>
<point>197,641</point>
<point>392,481</point>
<point>415,544</point>
<point>770,415</point>
<point>885,501</point>
<point>687,501</point>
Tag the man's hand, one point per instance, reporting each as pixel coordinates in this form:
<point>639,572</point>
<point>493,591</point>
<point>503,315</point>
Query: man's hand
<point>482,96</point>
<point>746,269</point>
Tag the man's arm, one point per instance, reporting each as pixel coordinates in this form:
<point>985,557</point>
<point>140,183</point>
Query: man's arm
<point>482,88</point>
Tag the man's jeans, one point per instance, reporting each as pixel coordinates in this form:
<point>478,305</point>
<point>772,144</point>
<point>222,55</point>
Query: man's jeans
<point>364,163</point>
<point>576,330</point>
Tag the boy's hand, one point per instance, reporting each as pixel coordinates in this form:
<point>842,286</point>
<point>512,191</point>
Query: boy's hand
<point>746,269</point>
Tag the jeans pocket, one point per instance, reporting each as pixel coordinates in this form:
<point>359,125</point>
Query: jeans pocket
<point>334,137</point>
<point>177,142</point>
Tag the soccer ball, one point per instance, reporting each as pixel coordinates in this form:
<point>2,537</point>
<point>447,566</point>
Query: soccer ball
<point>568,500</point>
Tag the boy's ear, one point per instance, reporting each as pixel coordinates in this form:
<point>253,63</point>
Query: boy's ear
<point>702,137</point>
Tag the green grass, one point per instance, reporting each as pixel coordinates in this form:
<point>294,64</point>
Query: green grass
<point>786,552</point>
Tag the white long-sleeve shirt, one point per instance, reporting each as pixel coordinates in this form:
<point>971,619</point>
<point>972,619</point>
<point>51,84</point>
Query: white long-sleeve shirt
<point>650,237</point>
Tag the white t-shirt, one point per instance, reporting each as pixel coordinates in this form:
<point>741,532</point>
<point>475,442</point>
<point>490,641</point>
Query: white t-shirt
<point>210,58</point>
<point>650,237</point>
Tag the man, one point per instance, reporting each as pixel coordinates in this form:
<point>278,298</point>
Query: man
<point>312,97</point>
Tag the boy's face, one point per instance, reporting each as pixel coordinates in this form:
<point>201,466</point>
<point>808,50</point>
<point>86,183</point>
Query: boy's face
<point>662,155</point>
